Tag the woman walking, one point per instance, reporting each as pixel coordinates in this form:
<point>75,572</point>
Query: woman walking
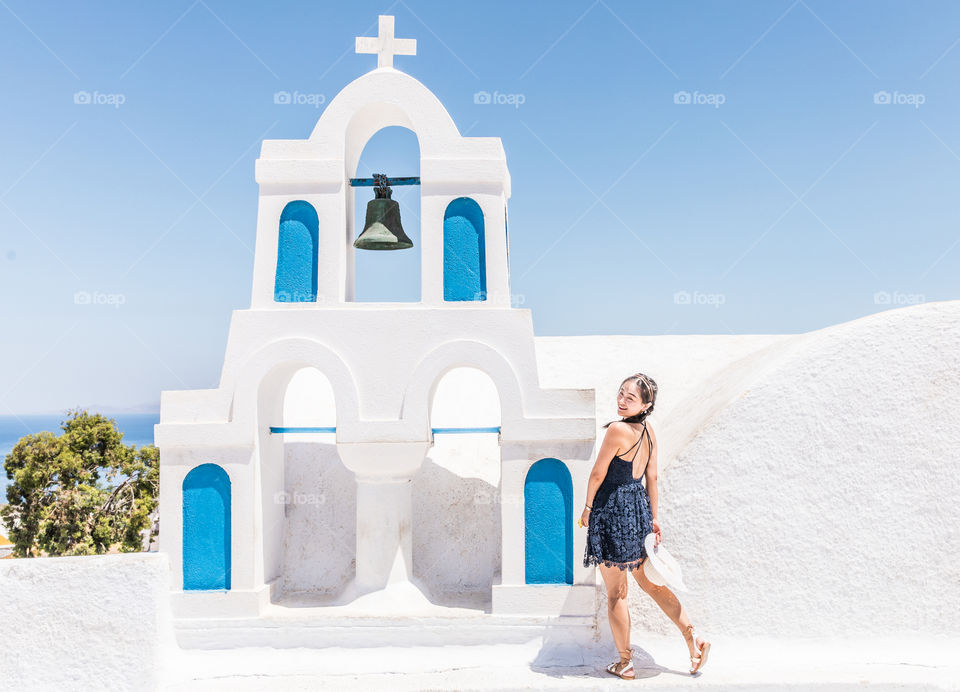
<point>619,514</point>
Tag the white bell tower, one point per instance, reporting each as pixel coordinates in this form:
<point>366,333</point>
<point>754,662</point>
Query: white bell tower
<point>383,362</point>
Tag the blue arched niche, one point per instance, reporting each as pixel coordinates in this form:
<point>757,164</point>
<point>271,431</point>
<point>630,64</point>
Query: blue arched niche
<point>206,528</point>
<point>464,255</point>
<point>548,523</point>
<point>296,278</point>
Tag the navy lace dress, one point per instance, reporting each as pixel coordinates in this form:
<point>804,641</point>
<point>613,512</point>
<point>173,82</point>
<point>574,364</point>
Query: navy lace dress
<point>621,516</point>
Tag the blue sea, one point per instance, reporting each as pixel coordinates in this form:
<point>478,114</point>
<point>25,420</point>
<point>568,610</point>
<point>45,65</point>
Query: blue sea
<point>137,429</point>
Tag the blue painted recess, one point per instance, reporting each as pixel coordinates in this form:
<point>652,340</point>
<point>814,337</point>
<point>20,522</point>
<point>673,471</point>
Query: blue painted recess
<point>464,255</point>
<point>206,528</point>
<point>297,247</point>
<point>548,523</point>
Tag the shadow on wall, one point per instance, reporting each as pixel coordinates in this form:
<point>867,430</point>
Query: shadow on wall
<point>456,536</point>
<point>320,540</point>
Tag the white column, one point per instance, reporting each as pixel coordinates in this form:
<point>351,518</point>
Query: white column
<point>512,556</point>
<point>384,540</point>
<point>384,471</point>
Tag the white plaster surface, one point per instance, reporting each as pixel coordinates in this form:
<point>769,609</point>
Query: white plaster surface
<point>456,518</point>
<point>84,623</point>
<point>320,527</point>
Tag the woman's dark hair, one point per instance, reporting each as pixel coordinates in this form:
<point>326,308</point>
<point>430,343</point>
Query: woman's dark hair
<point>648,394</point>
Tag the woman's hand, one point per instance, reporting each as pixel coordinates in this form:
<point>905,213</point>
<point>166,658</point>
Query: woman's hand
<point>584,518</point>
<point>657,530</point>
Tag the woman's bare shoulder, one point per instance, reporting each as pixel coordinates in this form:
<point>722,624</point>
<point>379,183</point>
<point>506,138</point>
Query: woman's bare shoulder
<point>618,431</point>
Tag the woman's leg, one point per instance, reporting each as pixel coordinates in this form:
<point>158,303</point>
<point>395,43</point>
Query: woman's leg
<point>618,614</point>
<point>669,604</point>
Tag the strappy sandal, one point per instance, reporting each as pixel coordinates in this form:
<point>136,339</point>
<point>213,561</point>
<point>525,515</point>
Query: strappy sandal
<point>700,660</point>
<point>624,667</point>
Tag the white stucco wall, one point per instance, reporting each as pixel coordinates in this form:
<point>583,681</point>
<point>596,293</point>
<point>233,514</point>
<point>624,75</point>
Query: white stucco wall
<point>320,525</point>
<point>806,489</point>
<point>84,623</point>
<point>456,518</point>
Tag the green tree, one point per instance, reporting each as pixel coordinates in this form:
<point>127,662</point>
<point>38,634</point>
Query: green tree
<point>80,492</point>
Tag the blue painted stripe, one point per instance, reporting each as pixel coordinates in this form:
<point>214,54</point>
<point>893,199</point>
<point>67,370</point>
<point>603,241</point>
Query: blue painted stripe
<point>280,429</point>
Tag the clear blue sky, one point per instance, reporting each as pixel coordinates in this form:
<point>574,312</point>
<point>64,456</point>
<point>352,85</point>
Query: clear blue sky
<point>153,200</point>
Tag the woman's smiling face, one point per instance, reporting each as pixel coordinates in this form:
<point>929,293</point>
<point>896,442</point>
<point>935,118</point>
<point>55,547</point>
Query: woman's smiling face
<point>629,402</point>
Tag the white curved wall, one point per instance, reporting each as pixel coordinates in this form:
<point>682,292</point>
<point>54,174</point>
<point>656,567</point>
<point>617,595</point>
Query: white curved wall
<point>821,499</point>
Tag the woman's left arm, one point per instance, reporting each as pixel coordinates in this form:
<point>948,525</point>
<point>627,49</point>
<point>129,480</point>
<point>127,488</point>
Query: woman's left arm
<point>652,491</point>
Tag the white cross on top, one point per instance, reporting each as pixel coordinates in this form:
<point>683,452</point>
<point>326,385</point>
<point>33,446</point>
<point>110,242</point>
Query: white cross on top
<point>385,45</point>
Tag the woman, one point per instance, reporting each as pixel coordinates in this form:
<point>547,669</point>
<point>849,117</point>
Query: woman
<point>620,512</point>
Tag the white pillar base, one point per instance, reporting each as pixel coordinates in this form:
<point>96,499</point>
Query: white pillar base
<point>396,598</point>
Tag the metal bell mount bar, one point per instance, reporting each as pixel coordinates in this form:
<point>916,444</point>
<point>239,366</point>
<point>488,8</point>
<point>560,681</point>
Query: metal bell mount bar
<point>371,182</point>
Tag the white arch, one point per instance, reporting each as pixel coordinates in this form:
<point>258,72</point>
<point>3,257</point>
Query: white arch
<point>462,353</point>
<point>382,99</point>
<point>267,372</point>
<point>465,396</point>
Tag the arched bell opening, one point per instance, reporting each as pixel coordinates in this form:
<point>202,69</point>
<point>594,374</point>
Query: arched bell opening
<point>300,483</point>
<point>318,495</point>
<point>548,523</point>
<point>297,246</point>
<point>387,275</point>
<point>456,492</point>
<point>464,251</point>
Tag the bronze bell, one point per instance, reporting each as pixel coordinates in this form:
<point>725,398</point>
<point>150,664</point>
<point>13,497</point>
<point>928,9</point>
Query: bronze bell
<point>382,229</point>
